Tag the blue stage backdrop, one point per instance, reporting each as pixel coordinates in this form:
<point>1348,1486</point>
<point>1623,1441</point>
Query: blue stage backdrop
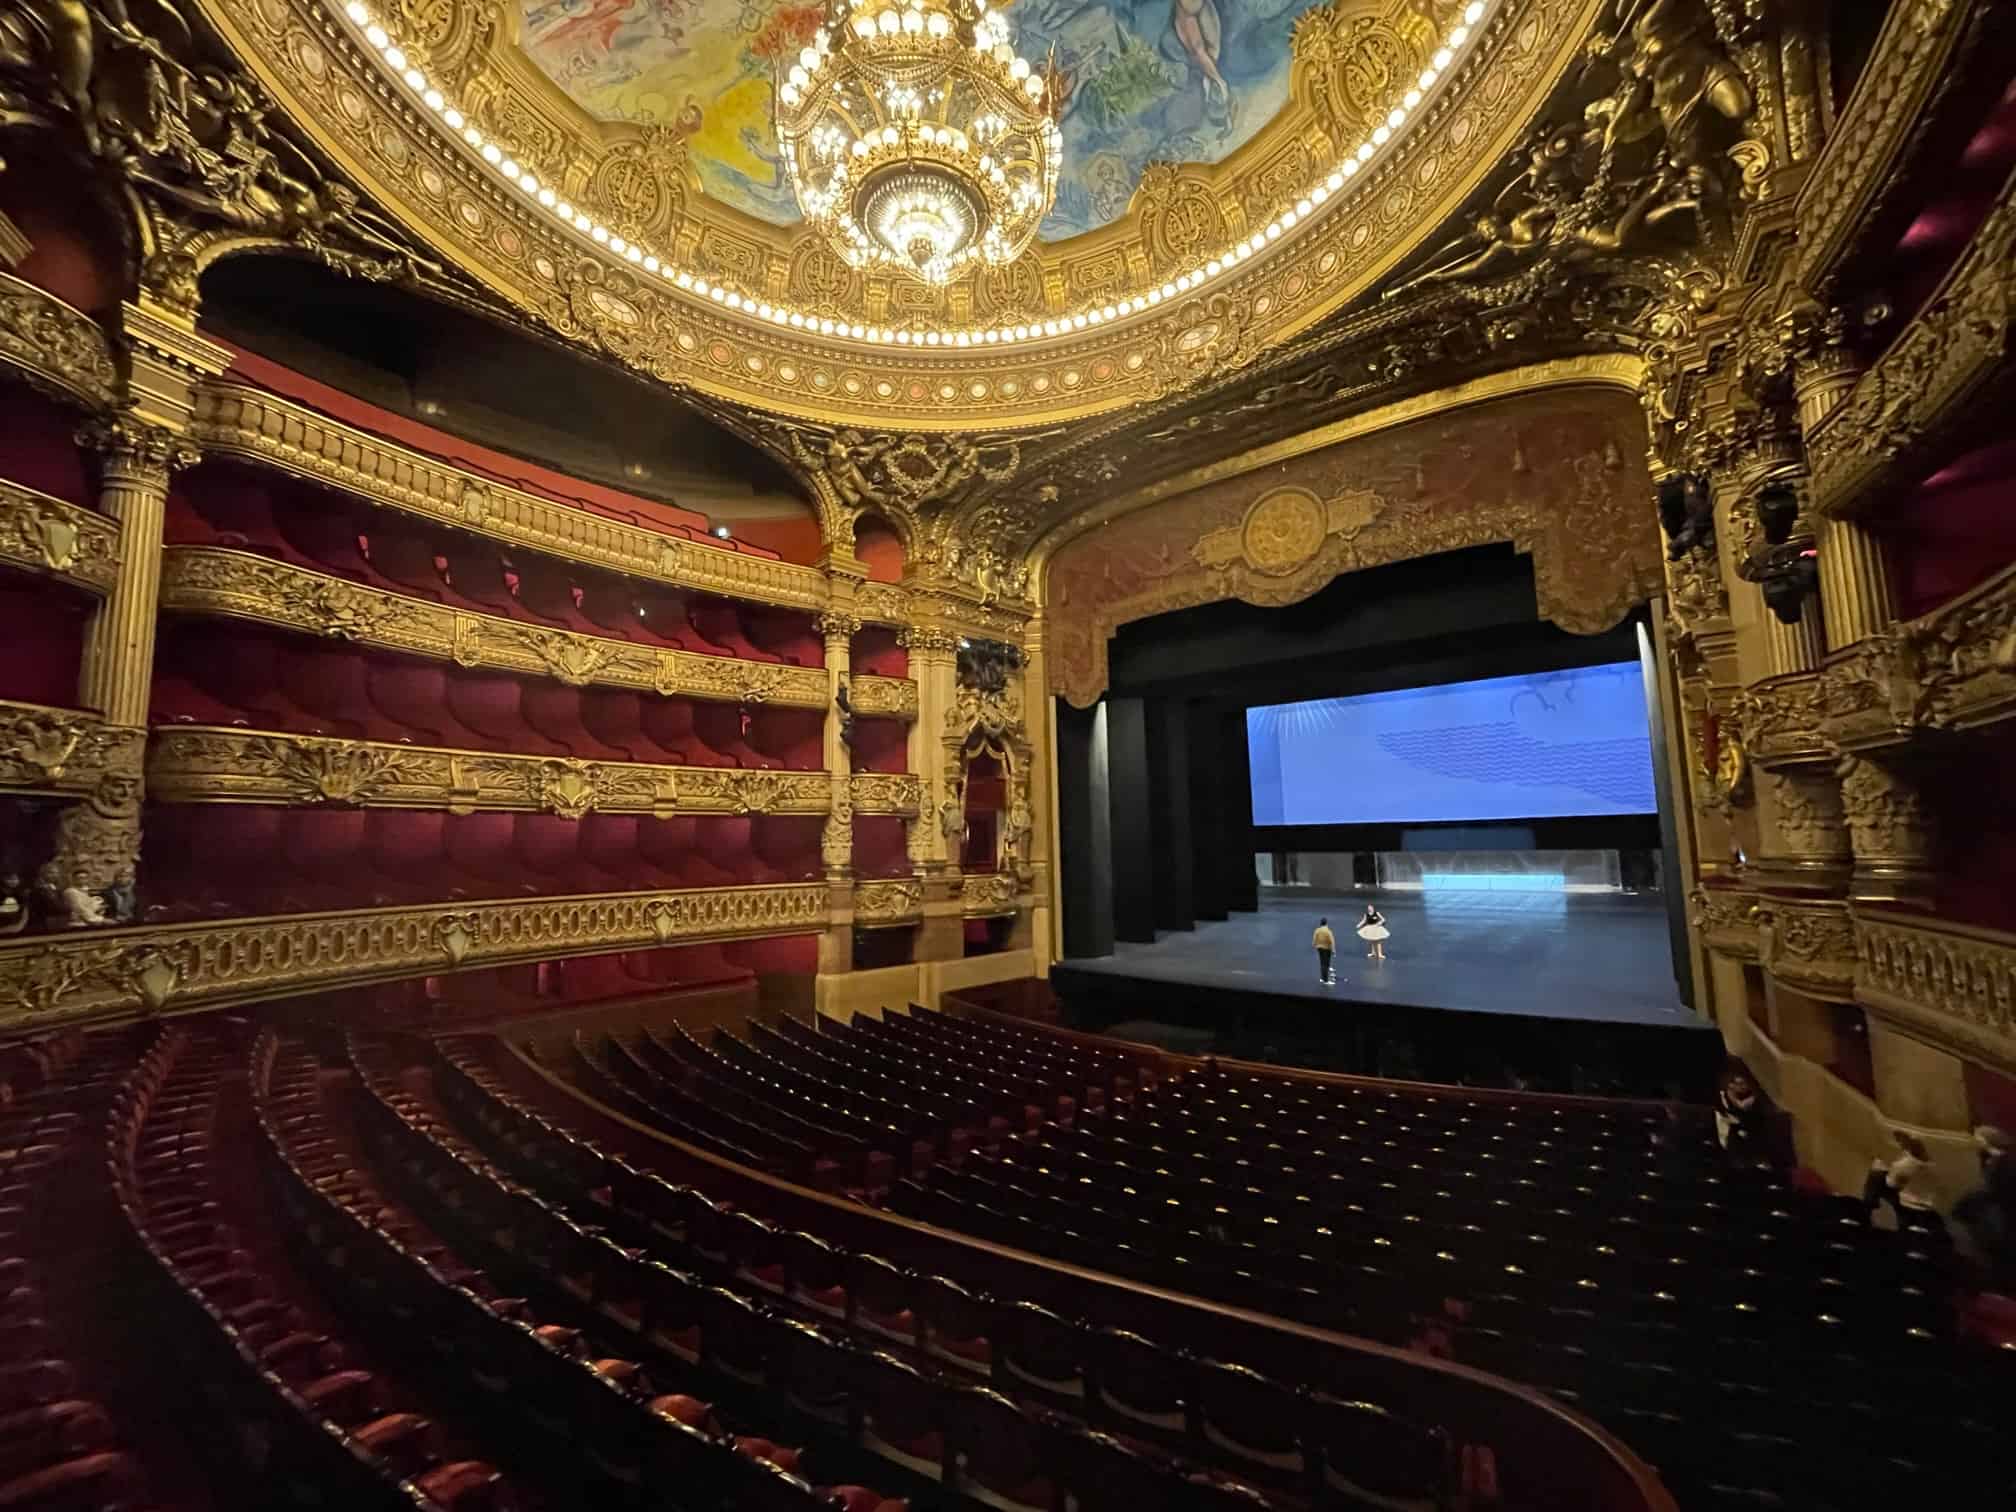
<point>1555,745</point>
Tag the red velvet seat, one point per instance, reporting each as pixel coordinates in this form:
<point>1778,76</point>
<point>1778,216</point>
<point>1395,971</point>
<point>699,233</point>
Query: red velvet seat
<point>481,847</point>
<point>42,631</point>
<point>665,618</point>
<point>722,856</point>
<point>405,556</point>
<point>328,686</point>
<point>238,669</point>
<point>608,604</point>
<point>668,724</point>
<point>546,591</point>
<point>323,851</point>
<point>553,709</point>
<point>490,704</point>
<point>615,718</point>
<point>719,729</point>
<point>667,844</point>
<point>412,696</point>
<point>793,738</point>
<point>326,529</point>
<point>407,850</point>
<point>784,634</point>
<point>720,624</point>
<point>899,1413</point>
<point>992,1446</point>
<point>475,573</point>
<point>608,845</point>
<point>785,846</point>
<point>548,851</point>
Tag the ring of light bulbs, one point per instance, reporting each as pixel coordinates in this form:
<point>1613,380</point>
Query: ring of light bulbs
<point>547,200</point>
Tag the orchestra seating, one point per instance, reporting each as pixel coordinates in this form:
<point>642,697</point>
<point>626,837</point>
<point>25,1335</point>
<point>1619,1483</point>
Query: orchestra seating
<point>1720,1321</point>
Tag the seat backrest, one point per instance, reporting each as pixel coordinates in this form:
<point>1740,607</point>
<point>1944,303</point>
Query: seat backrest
<point>1140,1379</point>
<point>1249,1414</point>
<point>993,1444</point>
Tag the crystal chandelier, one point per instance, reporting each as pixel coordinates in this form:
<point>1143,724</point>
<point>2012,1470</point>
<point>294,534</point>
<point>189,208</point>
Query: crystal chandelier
<point>916,138</point>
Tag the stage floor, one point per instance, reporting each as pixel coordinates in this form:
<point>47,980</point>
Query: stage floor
<point>1592,958</point>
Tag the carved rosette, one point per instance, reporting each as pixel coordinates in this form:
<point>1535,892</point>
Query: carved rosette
<point>48,536</point>
<point>881,902</point>
<point>214,580</point>
<point>201,764</point>
<point>47,981</point>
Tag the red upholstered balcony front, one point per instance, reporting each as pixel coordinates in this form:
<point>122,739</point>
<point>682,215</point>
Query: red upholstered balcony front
<point>492,705</point>
<point>791,738</point>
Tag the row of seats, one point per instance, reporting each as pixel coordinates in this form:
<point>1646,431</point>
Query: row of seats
<point>600,1421</point>
<point>240,676</point>
<point>60,1446</point>
<point>1108,1378</point>
<point>252,511</point>
<point>1776,1297</point>
<point>218,861</point>
<point>273,1384</point>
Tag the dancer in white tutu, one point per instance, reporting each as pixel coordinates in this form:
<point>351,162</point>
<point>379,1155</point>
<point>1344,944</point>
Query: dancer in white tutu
<point>1373,931</point>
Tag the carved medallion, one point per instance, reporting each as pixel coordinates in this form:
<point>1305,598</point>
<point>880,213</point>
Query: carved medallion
<point>1282,531</point>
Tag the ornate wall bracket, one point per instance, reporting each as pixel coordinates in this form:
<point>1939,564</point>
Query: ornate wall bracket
<point>60,349</point>
<point>63,752</point>
<point>237,584</point>
<point>51,538</point>
<point>117,974</point>
<point>887,793</point>
<point>200,764</point>
<point>1946,983</point>
<point>236,421</point>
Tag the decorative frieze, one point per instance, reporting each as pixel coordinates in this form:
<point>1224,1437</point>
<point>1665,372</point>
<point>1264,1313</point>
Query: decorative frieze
<point>1808,946</point>
<point>887,793</point>
<point>212,580</point>
<point>1780,719</point>
<point>201,764</point>
<point>1952,669</point>
<point>66,752</point>
<point>1943,982</point>
<point>53,538</point>
<point>882,604</point>
<point>236,421</point>
<point>118,973</point>
<point>57,347</point>
<point>883,697</point>
<point>1726,921</point>
<point>877,903</point>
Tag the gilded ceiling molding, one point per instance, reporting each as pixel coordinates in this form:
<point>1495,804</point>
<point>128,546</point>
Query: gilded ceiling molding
<point>200,764</point>
<point>886,793</point>
<point>53,538</point>
<point>399,155</point>
<point>1950,984</point>
<point>882,903</point>
<point>1933,379</point>
<point>112,974</point>
<point>62,752</point>
<point>56,347</point>
<point>240,585</point>
<point>233,420</point>
<point>1914,59</point>
<point>1561,477</point>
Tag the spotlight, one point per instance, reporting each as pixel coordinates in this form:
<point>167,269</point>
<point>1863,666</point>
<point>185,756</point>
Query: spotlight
<point>721,531</point>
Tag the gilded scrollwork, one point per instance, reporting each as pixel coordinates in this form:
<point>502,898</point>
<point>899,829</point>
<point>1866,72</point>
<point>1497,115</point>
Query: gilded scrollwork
<point>984,894</point>
<point>48,536</point>
<point>883,697</point>
<point>1809,946</point>
<point>1947,983</point>
<point>109,975</point>
<point>215,580</point>
<point>61,348</point>
<point>1726,921</point>
<point>194,764</point>
<point>62,751</point>
<point>883,902</point>
<point>887,793</point>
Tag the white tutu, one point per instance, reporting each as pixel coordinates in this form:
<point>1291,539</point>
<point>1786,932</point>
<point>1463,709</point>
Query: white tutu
<point>1374,932</point>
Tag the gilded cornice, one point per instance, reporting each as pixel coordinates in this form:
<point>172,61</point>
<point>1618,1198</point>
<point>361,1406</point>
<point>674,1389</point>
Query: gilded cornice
<point>236,421</point>
<point>888,902</point>
<point>62,752</point>
<point>58,348</point>
<point>1947,983</point>
<point>399,155</point>
<point>886,793</point>
<point>53,538</point>
<point>110,974</point>
<point>1933,378</point>
<point>200,764</point>
<point>1608,370</point>
<point>884,697</point>
<point>1864,157</point>
<point>238,584</point>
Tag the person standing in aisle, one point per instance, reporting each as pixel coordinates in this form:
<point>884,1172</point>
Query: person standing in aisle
<point>1326,946</point>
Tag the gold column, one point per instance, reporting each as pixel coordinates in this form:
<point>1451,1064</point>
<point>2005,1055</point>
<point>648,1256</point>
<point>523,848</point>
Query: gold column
<point>836,842</point>
<point>941,820</point>
<point>1796,647</point>
<point>1854,577</point>
<point>1039,780</point>
<point>1803,837</point>
<point>92,871</point>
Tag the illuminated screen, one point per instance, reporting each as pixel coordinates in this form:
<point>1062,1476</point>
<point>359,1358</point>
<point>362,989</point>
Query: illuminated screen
<point>1556,745</point>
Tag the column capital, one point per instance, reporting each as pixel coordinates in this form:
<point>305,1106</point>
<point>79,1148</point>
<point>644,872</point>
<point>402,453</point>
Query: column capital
<point>136,451</point>
<point>838,625</point>
<point>928,639</point>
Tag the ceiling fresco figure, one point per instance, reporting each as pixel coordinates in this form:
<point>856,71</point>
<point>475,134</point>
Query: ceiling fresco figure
<point>1136,81</point>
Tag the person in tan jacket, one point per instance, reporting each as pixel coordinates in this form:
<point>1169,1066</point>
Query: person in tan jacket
<point>1326,945</point>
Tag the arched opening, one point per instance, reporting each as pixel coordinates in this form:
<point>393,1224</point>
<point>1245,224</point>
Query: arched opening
<point>880,548</point>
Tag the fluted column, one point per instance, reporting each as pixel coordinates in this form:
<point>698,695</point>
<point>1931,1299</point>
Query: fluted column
<point>1036,852</point>
<point>935,832</point>
<point>1796,647</point>
<point>91,872</point>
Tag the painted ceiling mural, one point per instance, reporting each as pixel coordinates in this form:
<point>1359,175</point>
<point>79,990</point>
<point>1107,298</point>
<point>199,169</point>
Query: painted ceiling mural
<point>1142,80</point>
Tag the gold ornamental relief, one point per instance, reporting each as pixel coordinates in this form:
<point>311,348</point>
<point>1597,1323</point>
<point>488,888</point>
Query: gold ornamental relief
<point>1282,531</point>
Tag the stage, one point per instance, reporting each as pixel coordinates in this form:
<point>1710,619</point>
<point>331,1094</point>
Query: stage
<point>1563,990</point>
